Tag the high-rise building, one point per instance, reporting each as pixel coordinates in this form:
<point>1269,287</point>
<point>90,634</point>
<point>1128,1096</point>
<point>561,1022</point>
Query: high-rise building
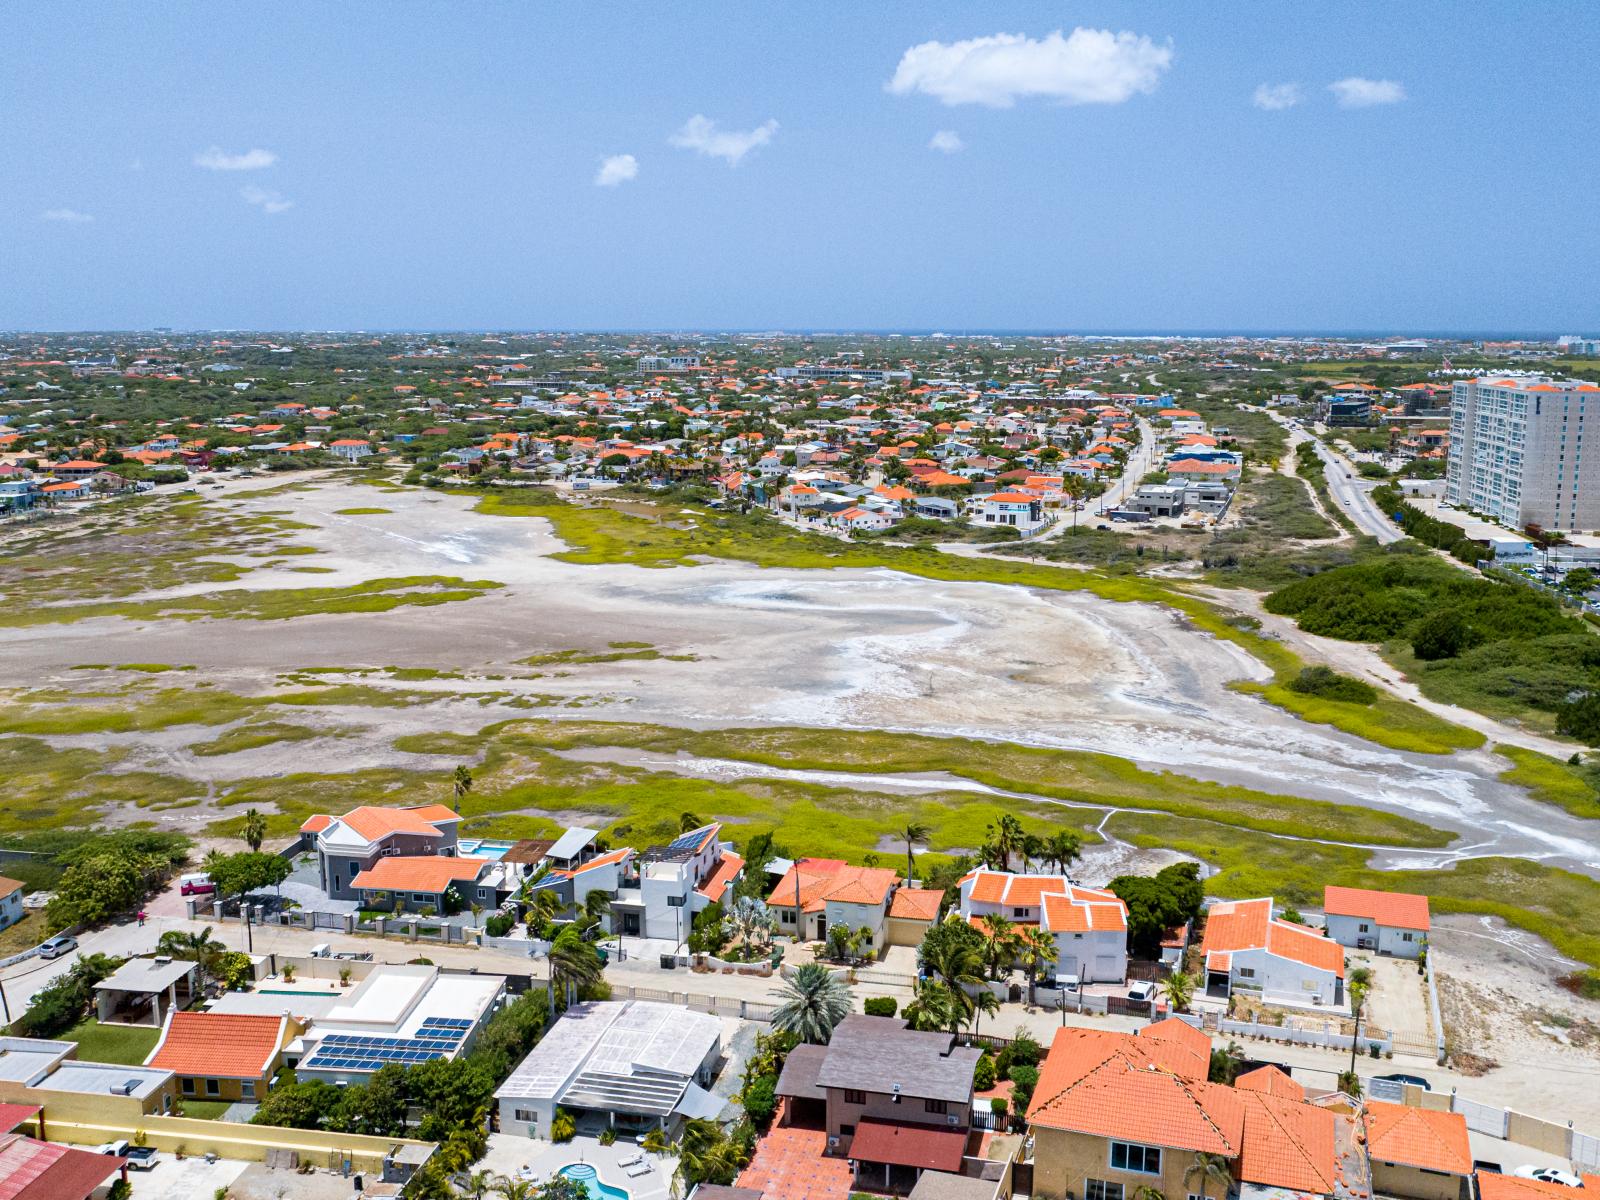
<point>1516,451</point>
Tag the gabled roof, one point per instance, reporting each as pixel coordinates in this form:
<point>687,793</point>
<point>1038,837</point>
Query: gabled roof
<point>1240,925</point>
<point>916,904</point>
<point>721,879</point>
<point>1492,1186</point>
<point>818,880</point>
<point>1116,1085</point>
<point>431,873</point>
<point>218,1045</point>
<point>1418,1137</point>
<point>1398,910</point>
<point>1287,1144</point>
<point>1272,1081</point>
<point>372,824</point>
<point>35,1170</point>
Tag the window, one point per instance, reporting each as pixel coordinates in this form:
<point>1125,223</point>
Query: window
<point>1408,937</point>
<point>851,1096</point>
<point>188,1086</point>
<point>1131,1156</point>
<point>355,869</point>
<point>247,1089</point>
<point>1363,928</point>
<point>933,1106</point>
<point>1099,1189</point>
<point>421,898</point>
<point>1247,972</point>
<point>1019,912</point>
<point>674,901</point>
<point>213,1087</point>
<point>525,1114</point>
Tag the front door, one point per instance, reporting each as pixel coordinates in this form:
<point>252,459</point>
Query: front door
<point>630,924</point>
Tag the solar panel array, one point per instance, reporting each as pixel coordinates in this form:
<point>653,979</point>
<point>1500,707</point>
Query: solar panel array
<point>435,1038</point>
<point>686,840</point>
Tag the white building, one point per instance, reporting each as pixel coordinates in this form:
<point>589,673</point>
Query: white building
<point>1249,949</point>
<point>632,1065</point>
<point>1089,926</point>
<point>1394,923</point>
<point>1516,451</point>
<point>1014,509</point>
<point>660,891</point>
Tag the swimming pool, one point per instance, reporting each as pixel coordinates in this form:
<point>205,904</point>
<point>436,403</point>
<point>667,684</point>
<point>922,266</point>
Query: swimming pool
<point>585,1174</point>
<point>477,848</point>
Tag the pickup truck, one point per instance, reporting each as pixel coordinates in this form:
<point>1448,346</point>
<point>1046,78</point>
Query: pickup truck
<point>140,1158</point>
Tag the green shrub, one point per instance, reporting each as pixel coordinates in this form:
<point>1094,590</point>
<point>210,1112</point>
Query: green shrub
<point>563,1127</point>
<point>760,1100</point>
<point>983,1074</point>
<point>1330,685</point>
<point>500,924</point>
<point>880,1006</point>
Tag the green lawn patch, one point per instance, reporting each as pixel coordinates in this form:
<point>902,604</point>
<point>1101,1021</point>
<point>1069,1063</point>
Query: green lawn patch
<point>250,736</point>
<point>362,512</point>
<point>125,1045</point>
<point>1574,788</point>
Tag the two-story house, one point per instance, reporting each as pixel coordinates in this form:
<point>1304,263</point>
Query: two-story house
<point>1114,1114</point>
<point>660,891</point>
<point>1089,926</point>
<point>349,845</point>
<point>1249,949</point>
<point>10,902</point>
<point>894,1101</point>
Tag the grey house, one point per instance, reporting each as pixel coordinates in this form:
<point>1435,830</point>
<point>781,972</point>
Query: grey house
<point>348,845</point>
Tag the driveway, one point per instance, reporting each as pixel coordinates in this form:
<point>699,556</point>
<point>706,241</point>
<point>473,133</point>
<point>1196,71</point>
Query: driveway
<point>1398,1001</point>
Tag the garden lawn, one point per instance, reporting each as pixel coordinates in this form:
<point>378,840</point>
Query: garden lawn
<point>125,1045</point>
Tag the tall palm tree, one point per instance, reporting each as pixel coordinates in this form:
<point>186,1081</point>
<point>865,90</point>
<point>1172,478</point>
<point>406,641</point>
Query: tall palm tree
<point>814,1001</point>
<point>1061,849</point>
<point>460,784</point>
<point>913,834</point>
<point>478,1185</point>
<point>957,966</point>
<point>1001,942</point>
<point>1178,990</point>
<point>573,963</point>
<point>1209,1169</point>
<point>930,1007</point>
<point>545,907</point>
<point>984,1003</point>
<point>597,906</point>
<point>254,830</point>
<point>1007,837</point>
<point>515,1189</point>
<point>1037,950</point>
<point>688,822</point>
<point>1358,983</point>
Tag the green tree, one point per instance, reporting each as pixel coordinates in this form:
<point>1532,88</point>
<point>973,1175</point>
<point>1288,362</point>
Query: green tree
<point>956,961</point>
<point>95,889</point>
<point>984,1003</point>
<point>1005,838</point>
<point>1037,951</point>
<point>1209,1169</point>
<point>460,784</point>
<point>914,834</point>
<point>813,1001</point>
<point>254,829</point>
<point>931,1007</point>
<point>196,946</point>
<point>1061,849</point>
<point>1357,985</point>
<point>575,967</point>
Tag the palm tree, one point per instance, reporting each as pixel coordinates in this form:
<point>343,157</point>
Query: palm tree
<point>814,1001</point>
<point>984,1003</point>
<point>1075,487</point>
<point>1037,950</point>
<point>1178,989</point>
<point>1061,850</point>
<point>1358,983</point>
<point>1000,945</point>
<point>460,784</point>
<point>255,830</point>
<point>914,834</point>
<point>597,906</point>
<point>198,947</point>
<point>515,1189</point>
<point>1209,1169</point>
<point>1007,837</point>
<point>957,966</point>
<point>688,822</point>
<point>574,963</point>
<point>1145,1192</point>
<point>545,907</point>
<point>478,1185</point>
<point>930,1008</point>
<point>654,1142</point>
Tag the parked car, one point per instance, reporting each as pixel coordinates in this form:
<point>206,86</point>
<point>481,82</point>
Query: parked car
<point>1143,990</point>
<point>140,1158</point>
<point>196,885</point>
<point>1414,1080</point>
<point>57,946</point>
<point>1549,1175</point>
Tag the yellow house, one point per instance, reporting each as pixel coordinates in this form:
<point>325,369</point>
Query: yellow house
<point>223,1056</point>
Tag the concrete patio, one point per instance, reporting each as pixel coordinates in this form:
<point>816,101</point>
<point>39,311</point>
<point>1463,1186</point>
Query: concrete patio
<point>527,1158</point>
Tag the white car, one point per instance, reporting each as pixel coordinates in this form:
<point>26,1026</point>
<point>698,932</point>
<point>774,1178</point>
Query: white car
<point>1549,1175</point>
<point>1143,990</point>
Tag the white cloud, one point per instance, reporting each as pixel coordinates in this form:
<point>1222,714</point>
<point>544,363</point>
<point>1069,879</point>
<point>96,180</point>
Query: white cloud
<point>1087,66</point>
<point>615,169</point>
<point>1357,92</point>
<point>946,141</point>
<point>266,201</point>
<point>701,135</point>
<point>67,216</point>
<point>218,159</point>
<point>1275,97</point>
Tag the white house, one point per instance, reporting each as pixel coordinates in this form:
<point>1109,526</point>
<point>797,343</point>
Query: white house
<point>10,902</point>
<point>1014,509</point>
<point>350,449</point>
<point>1247,948</point>
<point>660,891</point>
<point>1389,922</point>
<point>1089,926</point>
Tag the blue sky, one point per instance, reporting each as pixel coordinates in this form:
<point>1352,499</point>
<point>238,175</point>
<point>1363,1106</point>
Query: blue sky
<point>416,165</point>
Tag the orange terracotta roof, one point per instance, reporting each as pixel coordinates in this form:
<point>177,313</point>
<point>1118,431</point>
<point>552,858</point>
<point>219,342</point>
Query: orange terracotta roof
<point>316,824</point>
<point>1271,1080</point>
<point>1082,910</point>
<point>722,878</point>
<point>375,823</point>
<point>1492,1186</point>
<point>1400,910</point>
<point>219,1045</point>
<point>600,860</point>
<point>1418,1137</point>
<point>431,873</point>
<point>1288,1144</point>
<point>1117,1085</point>
<point>8,885</point>
<point>1241,925</point>
<point>916,904</point>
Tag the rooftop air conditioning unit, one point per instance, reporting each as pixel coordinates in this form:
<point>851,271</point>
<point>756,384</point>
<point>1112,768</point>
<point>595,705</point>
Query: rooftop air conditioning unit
<point>163,960</point>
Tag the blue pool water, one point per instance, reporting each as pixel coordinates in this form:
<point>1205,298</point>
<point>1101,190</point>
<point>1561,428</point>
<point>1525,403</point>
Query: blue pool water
<point>585,1174</point>
<point>481,849</point>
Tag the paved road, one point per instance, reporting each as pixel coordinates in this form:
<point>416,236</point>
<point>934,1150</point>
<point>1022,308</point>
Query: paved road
<point>1354,497</point>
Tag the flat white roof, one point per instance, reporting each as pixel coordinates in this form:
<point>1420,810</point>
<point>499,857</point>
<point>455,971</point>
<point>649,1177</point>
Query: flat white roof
<point>614,1037</point>
<point>104,1079</point>
<point>23,1060</point>
<point>572,841</point>
<point>395,1000</point>
<point>144,975</point>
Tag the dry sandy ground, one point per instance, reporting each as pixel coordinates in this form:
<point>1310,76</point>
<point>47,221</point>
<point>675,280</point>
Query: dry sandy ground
<point>860,648</point>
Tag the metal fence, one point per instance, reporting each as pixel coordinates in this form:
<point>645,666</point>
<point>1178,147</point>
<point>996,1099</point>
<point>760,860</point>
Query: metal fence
<point>720,1006</point>
<point>1307,1037</point>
